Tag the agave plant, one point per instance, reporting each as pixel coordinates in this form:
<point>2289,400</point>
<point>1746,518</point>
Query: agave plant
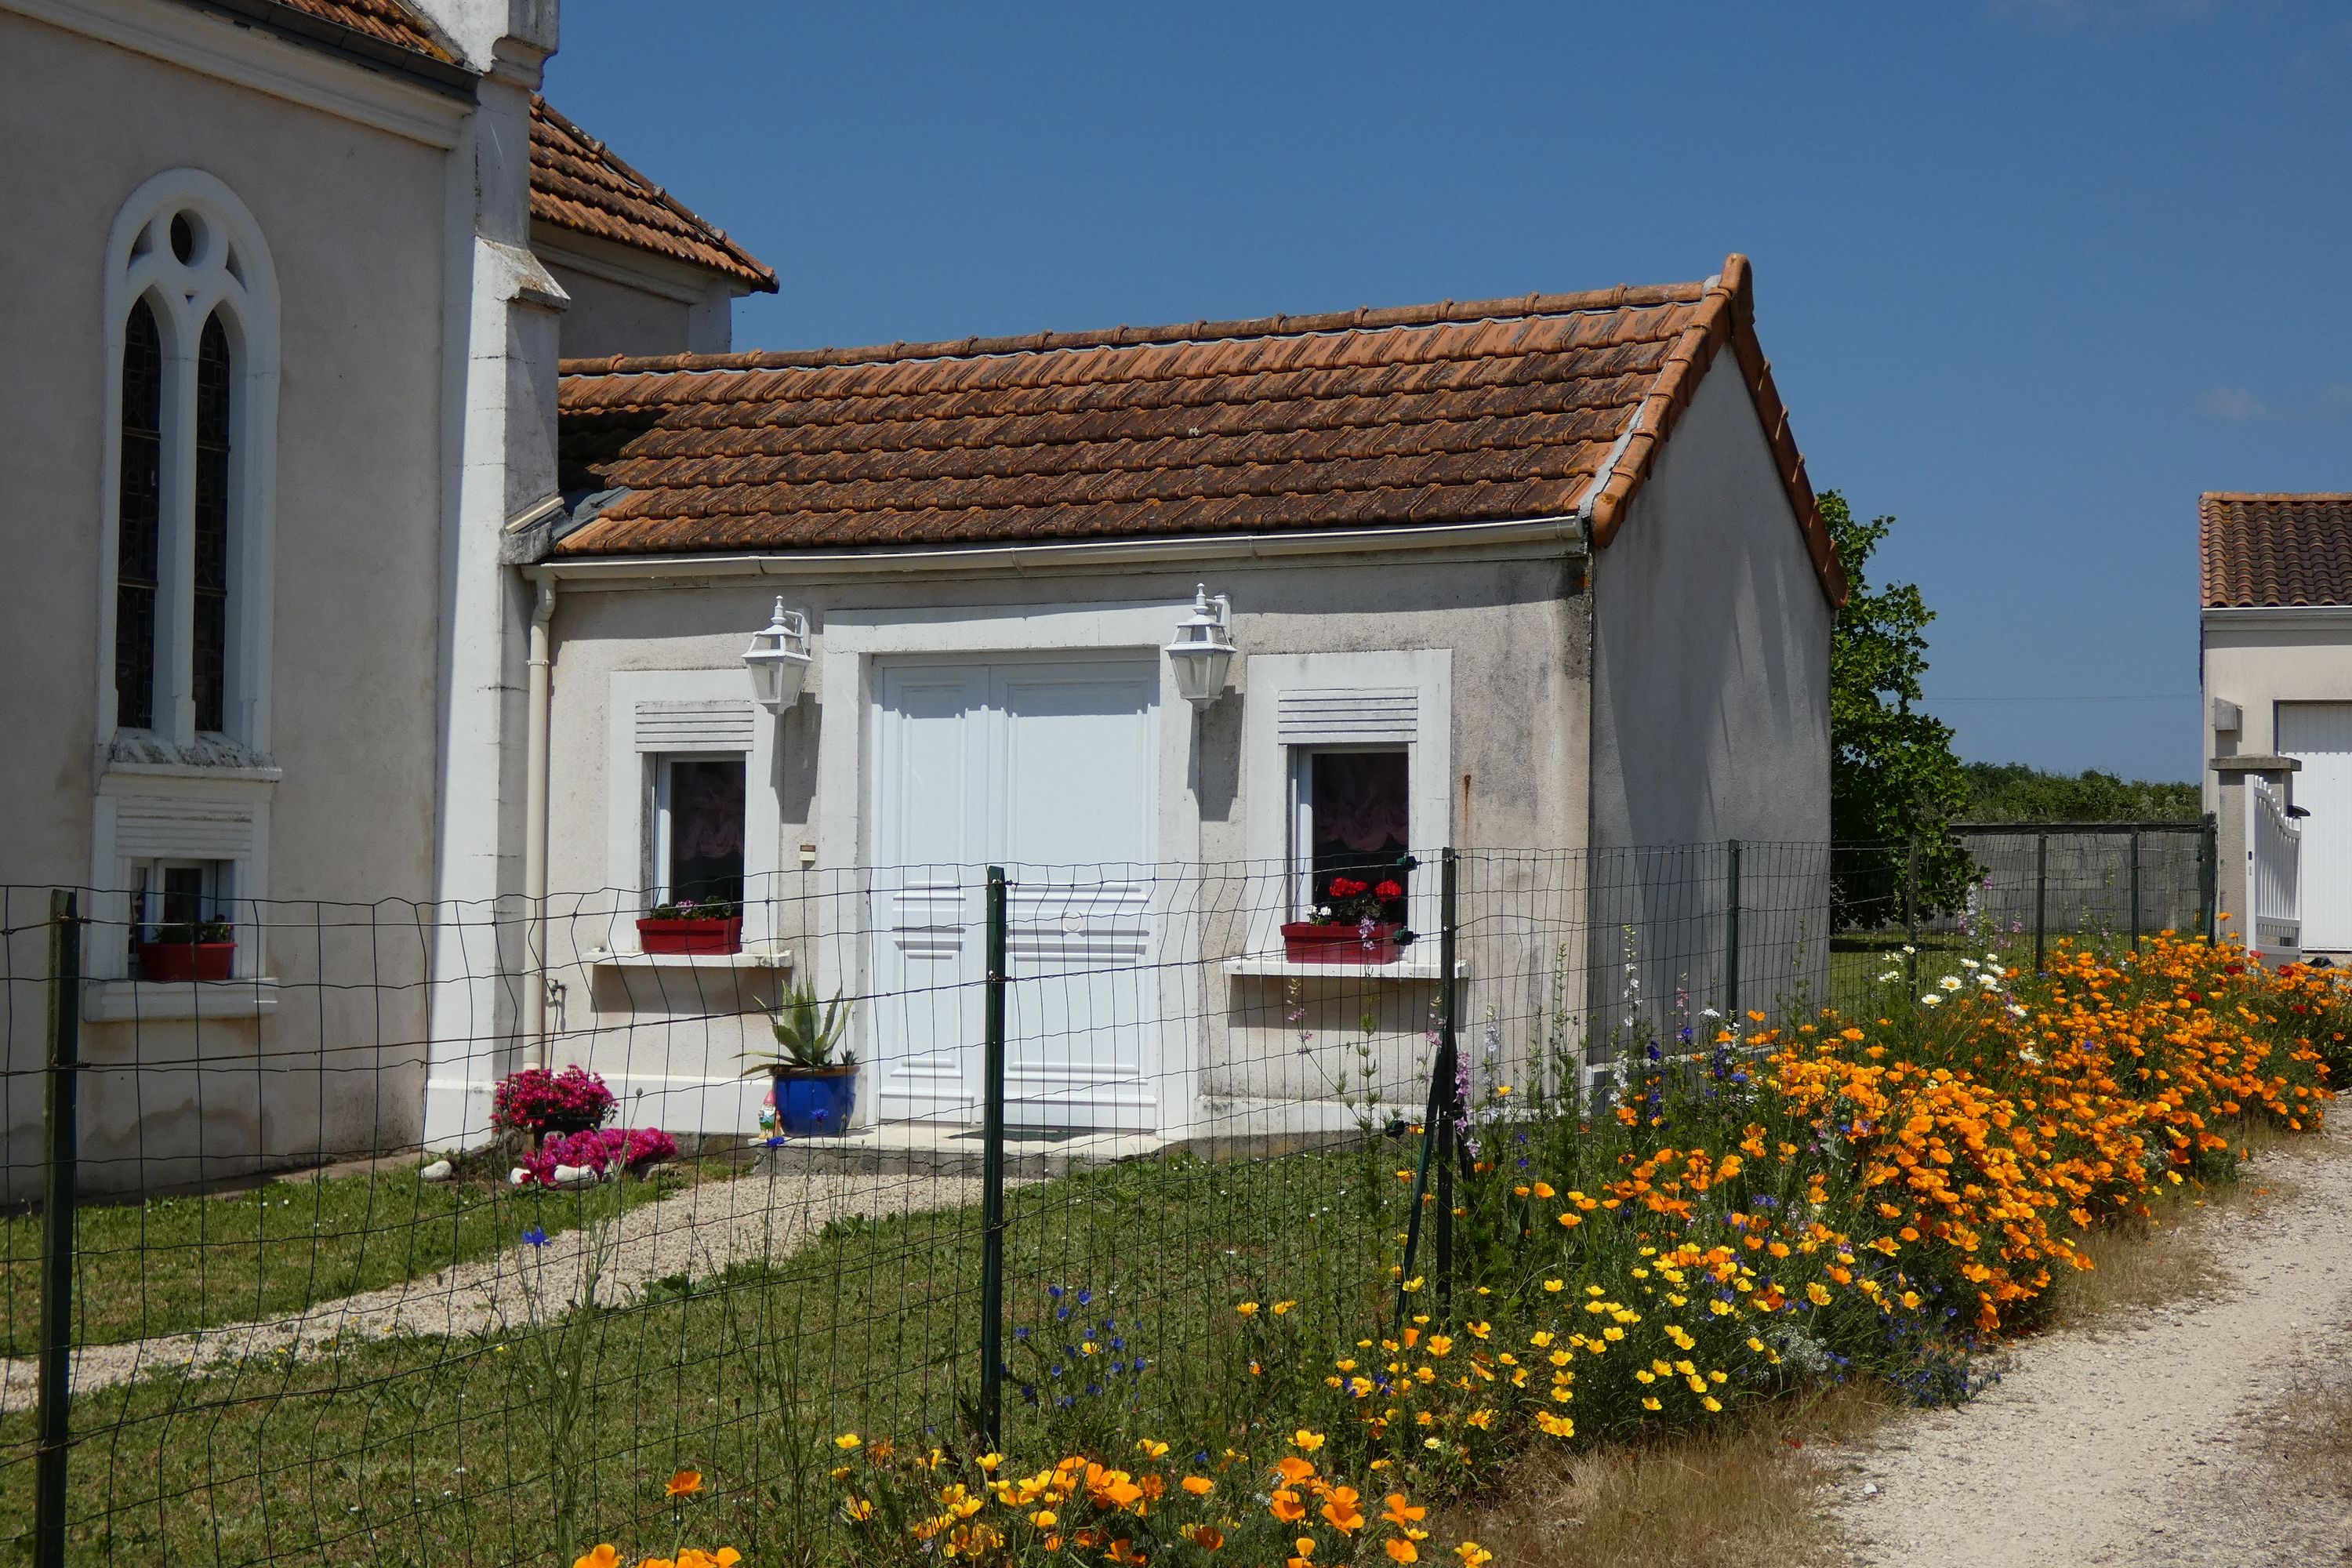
<point>807,1033</point>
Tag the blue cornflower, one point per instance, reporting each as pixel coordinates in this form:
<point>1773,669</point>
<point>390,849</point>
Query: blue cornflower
<point>1086,1297</point>
<point>774,1140</point>
<point>1061,1314</point>
<point>1053,1372</point>
<point>536,1236</point>
<point>1094,1388</point>
<point>1055,1291</point>
<point>1022,1332</point>
<point>1139,1363</point>
<point>1117,1367</point>
<point>1118,1343</point>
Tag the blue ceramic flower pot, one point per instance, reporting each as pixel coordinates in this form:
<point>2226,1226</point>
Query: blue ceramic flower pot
<point>815,1102</point>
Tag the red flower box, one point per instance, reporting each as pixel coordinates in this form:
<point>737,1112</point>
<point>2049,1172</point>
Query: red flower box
<point>708,937</point>
<point>1305,941</point>
<point>170,962</point>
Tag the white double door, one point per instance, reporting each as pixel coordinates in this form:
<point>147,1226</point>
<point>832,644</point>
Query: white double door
<point>2320,735</point>
<point>1048,767</point>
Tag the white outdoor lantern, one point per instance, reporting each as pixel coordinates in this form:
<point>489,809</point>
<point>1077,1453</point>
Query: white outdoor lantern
<point>1203,649</point>
<point>778,659</point>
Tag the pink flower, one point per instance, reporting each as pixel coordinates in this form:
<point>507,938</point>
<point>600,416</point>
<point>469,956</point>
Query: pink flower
<point>600,1151</point>
<point>538,1100</point>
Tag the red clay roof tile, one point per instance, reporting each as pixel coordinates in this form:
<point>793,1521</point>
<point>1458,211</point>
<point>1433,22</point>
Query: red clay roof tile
<point>386,21</point>
<point>1445,414</point>
<point>577,183</point>
<point>2274,549</point>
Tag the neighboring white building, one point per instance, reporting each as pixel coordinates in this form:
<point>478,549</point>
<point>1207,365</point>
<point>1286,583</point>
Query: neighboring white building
<point>285,350</point>
<point>2276,623</point>
<point>1541,573</point>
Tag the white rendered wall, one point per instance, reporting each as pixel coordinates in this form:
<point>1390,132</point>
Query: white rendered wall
<point>1710,721</point>
<point>1711,701</point>
<point>353,217</point>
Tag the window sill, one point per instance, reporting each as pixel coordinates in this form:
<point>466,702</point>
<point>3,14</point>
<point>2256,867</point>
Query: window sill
<point>750,958</point>
<point>1274,967</point>
<point>144,1001</point>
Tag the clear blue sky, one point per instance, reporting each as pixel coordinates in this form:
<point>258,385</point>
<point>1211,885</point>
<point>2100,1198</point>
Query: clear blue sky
<point>2032,273</point>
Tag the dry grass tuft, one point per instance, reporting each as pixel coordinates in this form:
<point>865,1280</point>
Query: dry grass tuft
<point>2312,1440</point>
<point>1738,1496</point>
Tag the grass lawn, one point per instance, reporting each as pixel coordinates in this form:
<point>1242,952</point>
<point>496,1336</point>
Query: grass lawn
<point>170,1265</point>
<point>423,1451</point>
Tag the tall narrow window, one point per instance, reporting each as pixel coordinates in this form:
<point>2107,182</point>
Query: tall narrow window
<point>208,671</point>
<point>140,528</point>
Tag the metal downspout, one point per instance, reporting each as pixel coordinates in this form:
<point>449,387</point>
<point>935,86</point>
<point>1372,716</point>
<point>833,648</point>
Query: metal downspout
<point>534,841</point>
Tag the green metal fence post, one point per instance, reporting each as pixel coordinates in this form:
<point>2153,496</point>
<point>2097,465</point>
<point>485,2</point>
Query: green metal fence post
<point>1449,912</point>
<point>2040,897</point>
<point>2209,876</point>
<point>1911,912</point>
<point>52,1421</point>
<point>2135,892</point>
<point>1731,935</point>
<point>992,1177</point>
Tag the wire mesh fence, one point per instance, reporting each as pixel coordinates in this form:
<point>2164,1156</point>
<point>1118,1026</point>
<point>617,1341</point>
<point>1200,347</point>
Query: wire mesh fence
<point>960,1158</point>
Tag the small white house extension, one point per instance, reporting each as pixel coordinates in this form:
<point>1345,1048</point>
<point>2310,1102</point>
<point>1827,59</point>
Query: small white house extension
<point>2276,623</point>
<point>1537,574</point>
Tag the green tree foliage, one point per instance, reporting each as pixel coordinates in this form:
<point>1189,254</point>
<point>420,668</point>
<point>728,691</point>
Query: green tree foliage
<point>1893,776</point>
<point>2012,792</point>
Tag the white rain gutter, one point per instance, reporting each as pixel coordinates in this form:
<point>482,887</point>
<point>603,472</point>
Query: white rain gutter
<point>534,829</point>
<point>596,572</point>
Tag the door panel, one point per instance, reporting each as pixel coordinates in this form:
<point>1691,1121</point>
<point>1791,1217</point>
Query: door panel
<point>1046,767</point>
<point>1078,806</point>
<point>930,830</point>
<point>2320,735</point>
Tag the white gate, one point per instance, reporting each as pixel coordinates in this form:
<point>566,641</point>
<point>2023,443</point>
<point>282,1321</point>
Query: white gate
<point>2319,736</point>
<point>2274,874</point>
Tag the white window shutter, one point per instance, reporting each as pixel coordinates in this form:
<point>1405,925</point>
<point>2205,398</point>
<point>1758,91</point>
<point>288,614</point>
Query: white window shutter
<point>152,827</point>
<point>709,726</point>
<point>1343,716</point>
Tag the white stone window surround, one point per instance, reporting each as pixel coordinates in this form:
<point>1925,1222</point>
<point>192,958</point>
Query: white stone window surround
<point>230,273</point>
<point>656,713</point>
<point>170,793</point>
<point>149,812</point>
<point>1270,761</point>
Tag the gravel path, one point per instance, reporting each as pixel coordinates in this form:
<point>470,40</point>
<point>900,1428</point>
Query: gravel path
<point>2141,1442</point>
<point>696,1232</point>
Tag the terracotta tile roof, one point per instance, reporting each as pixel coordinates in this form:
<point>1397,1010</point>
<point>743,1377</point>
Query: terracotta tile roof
<point>2269,549</point>
<point>577,183</point>
<point>1444,414</point>
<point>386,21</point>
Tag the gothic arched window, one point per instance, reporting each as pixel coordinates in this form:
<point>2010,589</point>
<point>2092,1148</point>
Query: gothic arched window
<point>192,298</point>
